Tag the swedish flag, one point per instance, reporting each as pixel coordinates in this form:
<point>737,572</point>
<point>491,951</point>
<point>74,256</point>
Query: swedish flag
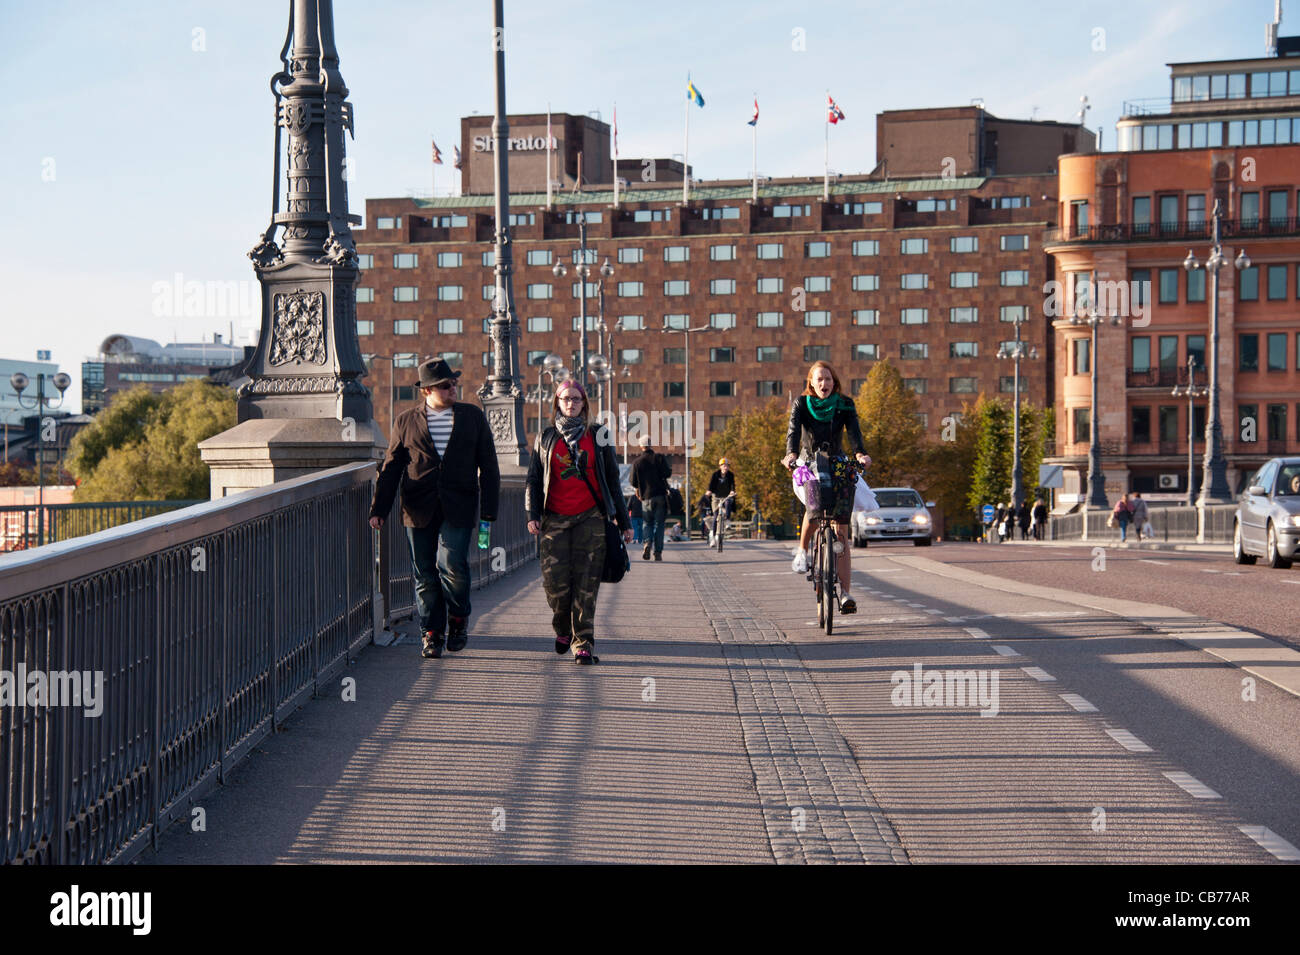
<point>692,93</point>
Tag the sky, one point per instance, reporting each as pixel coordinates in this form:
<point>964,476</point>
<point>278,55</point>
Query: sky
<point>137,143</point>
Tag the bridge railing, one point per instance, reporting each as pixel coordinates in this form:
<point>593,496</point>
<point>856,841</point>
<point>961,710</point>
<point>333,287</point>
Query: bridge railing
<point>21,525</point>
<point>1170,522</point>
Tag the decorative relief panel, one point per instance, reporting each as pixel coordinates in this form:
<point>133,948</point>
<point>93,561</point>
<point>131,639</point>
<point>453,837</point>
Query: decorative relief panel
<point>298,328</point>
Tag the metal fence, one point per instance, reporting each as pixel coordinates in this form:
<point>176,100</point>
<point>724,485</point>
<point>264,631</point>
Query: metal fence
<point>1170,523</point>
<point>21,526</point>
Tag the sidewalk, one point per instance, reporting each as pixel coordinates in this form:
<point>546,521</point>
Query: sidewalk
<point>1115,544</point>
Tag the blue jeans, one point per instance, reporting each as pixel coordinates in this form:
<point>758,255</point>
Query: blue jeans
<point>1123,528</point>
<point>656,509</point>
<point>440,558</point>
<point>636,529</point>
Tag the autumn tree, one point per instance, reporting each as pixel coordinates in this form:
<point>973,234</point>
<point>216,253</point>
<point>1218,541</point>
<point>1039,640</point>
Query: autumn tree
<point>753,443</point>
<point>892,431</point>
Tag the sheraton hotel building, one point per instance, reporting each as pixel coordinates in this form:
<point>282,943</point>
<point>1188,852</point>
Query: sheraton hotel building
<point>932,260</point>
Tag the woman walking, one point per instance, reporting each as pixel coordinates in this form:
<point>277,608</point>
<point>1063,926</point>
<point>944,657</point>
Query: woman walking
<point>822,415</point>
<point>572,485</point>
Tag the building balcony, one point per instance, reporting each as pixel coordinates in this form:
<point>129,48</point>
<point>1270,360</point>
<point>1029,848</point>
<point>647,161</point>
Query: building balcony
<point>1193,230</point>
<point>1157,377</point>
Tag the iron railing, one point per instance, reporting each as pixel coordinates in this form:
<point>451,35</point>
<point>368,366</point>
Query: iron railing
<point>1170,522</point>
<point>1187,230</point>
<point>20,523</point>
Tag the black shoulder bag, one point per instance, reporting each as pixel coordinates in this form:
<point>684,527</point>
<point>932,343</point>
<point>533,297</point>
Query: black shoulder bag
<point>617,563</point>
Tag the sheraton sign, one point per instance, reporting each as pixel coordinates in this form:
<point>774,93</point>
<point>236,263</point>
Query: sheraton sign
<point>485,144</point>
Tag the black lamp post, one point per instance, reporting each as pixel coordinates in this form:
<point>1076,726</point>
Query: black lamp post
<point>19,382</point>
<point>1017,352</point>
<point>1096,478</point>
<point>1191,390</point>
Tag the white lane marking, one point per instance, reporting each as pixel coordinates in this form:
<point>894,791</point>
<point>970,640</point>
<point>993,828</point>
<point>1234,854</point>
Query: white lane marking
<point>1149,560</point>
<point>934,611</point>
<point>767,573</point>
<point>1005,651</point>
<point>889,570</point>
<point>910,604</point>
<point>1079,703</point>
<point>1291,581</point>
<point>1191,785</point>
<point>1274,843</point>
<point>1237,573</point>
<point>954,619</point>
<point>1039,674</point>
<point>1128,741</point>
<point>1206,570</point>
<point>976,632</point>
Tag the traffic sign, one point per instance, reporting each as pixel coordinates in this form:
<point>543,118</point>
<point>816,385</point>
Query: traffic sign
<point>989,513</point>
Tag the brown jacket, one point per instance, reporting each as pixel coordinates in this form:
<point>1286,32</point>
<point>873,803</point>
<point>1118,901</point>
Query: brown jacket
<point>454,481</point>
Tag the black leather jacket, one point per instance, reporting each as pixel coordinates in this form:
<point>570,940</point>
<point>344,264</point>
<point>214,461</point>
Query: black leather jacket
<point>806,434</point>
<point>538,483</point>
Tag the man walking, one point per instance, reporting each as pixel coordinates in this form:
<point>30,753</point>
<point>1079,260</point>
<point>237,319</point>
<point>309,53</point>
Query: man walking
<point>442,455</point>
<point>1141,515</point>
<point>649,478</point>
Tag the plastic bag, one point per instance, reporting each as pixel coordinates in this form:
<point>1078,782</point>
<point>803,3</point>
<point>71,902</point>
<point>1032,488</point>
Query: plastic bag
<point>806,486</point>
<point>864,499</point>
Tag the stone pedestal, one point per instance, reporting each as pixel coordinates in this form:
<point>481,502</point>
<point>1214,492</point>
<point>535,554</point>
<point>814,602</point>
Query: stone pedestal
<point>265,450</point>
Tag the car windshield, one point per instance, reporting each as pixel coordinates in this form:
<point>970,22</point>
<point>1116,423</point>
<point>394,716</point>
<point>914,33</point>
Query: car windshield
<point>898,499</point>
<point>1288,482</point>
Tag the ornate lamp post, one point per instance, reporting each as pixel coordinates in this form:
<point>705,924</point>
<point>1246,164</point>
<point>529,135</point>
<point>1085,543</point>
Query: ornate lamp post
<point>583,271</point>
<point>1017,352</point>
<point>552,365</point>
<point>1214,477</point>
<point>1191,390</point>
<point>686,422</point>
<point>1096,479</point>
<point>19,382</point>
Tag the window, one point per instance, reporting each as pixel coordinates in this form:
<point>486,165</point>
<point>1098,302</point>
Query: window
<point>406,293</point>
<point>1079,216</point>
<point>632,323</point>
<point>677,253</point>
<point>652,215</point>
<point>862,208</point>
<point>406,326</point>
<point>388,222</point>
<point>1168,345</point>
<point>771,286</point>
<point>865,352</point>
<point>1080,350</point>
<point>963,279</point>
<point>487,326</point>
<point>538,257</point>
<point>536,357</point>
<point>722,320</point>
<point>674,356</point>
<point>963,315</point>
<point>365,262</point>
<point>866,247</point>
<point>963,350</point>
<point>1015,277</point>
<point>631,289</point>
<point>630,356</point>
<point>365,328</point>
<point>722,286</point>
<point>1082,293</point>
<point>591,291</point>
<point>1196,210</point>
<point>1277,207</point>
<point>539,323</point>
<point>490,259</point>
<point>1140,425</point>
<point>1196,285</point>
<point>539,290</point>
<point>789,212</point>
<point>817,283</point>
<point>365,296</point>
<point>917,385</point>
<point>817,250</point>
<point>913,350</point>
<point>722,389</point>
<point>770,250</point>
<point>677,321</point>
<point>405,360</point>
<point>866,316</point>
<point>1276,282</point>
<point>1168,423</point>
<point>1141,215</point>
<point>768,389</point>
<point>722,253</point>
<point>677,287</point>
<point>674,389</point>
<point>1248,209</point>
<point>1248,284</point>
<point>593,323</point>
<point>1168,286</point>
<point>450,326</point>
<point>489,292</point>
<point>1014,243</point>
<point>916,316</point>
<point>451,260</point>
<point>1140,353</point>
<point>1196,349</point>
<point>631,256</point>
<point>450,293</point>
<point>935,205</point>
<point>963,386</point>
<point>914,246</point>
<point>866,283</point>
<point>1082,425</point>
<point>1276,351</point>
<point>769,319</point>
<point>528,218</point>
<point>817,319</point>
<point>727,354</point>
<point>1275,415</point>
<point>631,389</point>
<point>816,353</point>
<point>915,280</point>
<point>1248,352</point>
<point>963,243</point>
<point>1168,213</point>
<point>768,353</point>
<point>1007,384</point>
<point>721,212</point>
<point>1014,313</point>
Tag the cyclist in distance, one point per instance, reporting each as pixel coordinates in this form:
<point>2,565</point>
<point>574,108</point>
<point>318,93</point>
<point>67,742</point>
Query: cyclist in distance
<point>722,487</point>
<point>822,415</point>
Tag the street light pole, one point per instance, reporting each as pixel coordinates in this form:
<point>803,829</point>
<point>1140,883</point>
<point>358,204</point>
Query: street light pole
<point>1191,391</point>
<point>686,423</point>
<point>1017,353</point>
<point>1096,477</point>
<point>19,382</point>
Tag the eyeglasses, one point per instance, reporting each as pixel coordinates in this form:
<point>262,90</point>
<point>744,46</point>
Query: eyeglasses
<point>577,398</point>
<point>446,386</point>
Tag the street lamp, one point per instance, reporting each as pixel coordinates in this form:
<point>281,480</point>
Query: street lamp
<point>1191,390</point>
<point>1096,479</point>
<point>1214,477</point>
<point>686,422</point>
<point>19,382</point>
<point>599,367</point>
<point>1017,352</point>
<point>583,271</point>
<point>552,365</point>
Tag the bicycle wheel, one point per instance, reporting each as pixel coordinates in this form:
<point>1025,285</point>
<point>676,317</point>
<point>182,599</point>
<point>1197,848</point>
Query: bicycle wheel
<point>828,580</point>
<point>816,568</point>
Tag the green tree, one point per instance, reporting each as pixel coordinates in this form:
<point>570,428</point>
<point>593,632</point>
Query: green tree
<point>891,429</point>
<point>991,476</point>
<point>153,454</point>
<point>120,424</point>
<point>754,443</point>
<point>951,463</point>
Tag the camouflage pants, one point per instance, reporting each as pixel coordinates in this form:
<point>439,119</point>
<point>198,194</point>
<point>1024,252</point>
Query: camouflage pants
<point>572,557</point>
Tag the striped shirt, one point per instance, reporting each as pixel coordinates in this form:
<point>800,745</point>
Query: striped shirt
<point>440,423</point>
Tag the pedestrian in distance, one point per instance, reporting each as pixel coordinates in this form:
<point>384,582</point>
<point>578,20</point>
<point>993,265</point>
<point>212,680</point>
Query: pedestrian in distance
<point>1121,516</point>
<point>1141,515</point>
<point>1024,517</point>
<point>635,512</point>
<point>571,489</point>
<point>1040,519</point>
<point>442,456</point>
<point>649,480</point>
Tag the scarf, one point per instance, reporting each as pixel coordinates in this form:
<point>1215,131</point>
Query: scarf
<point>823,409</point>
<point>571,429</point>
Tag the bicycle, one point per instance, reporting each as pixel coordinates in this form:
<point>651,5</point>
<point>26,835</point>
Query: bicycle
<point>821,570</point>
<point>720,521</point>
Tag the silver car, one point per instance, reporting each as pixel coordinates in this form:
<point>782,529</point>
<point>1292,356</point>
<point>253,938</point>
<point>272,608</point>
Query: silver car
<point>1267,523</point>
<point>901,515</point>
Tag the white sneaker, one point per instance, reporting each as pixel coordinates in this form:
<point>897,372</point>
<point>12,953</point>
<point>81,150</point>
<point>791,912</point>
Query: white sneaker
<point>800,563</point>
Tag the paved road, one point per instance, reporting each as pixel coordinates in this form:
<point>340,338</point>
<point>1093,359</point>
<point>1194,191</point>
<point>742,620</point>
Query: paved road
<point>722,725</point>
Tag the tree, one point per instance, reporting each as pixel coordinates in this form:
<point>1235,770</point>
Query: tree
<point>951,463</point>
<point>151,453</point>
<point>891,429</point>
<point>754,443</point>
<point>991,476</point>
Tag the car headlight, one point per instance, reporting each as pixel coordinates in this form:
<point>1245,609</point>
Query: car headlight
<point>921,518</point>
<point>1295,520</point>
<point>873,520</point>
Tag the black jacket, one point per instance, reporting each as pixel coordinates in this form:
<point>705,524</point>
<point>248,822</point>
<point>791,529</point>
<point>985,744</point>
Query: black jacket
<point>453,482</point>
<point>720,486</point>
<point>650,473</point>
<point>806,434</point>
<point>538,484</point>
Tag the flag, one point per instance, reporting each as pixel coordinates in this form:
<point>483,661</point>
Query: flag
<point>457,162</point>
<point>437,155</point>
<point>692,93</point>
<point>833,113</point>
<point>754,121</point>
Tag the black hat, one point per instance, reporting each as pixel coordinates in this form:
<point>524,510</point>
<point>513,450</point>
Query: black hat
<point>435,371</point>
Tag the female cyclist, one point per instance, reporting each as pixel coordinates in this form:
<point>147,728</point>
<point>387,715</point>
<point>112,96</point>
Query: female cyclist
<point>820,416</point>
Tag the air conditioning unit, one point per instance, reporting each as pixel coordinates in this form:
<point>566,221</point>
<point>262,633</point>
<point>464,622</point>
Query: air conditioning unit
<point>1168,482</point>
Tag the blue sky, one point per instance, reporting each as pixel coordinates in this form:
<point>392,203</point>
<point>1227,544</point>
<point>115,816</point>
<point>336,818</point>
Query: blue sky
<point>131,156</point>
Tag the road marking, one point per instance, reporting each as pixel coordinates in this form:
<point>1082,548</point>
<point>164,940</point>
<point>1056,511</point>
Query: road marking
<point>1274,843</point>
<point>1005,651</point>
<point>955,619</point>
<point>766,573</point>
<point>1079,703</point>
<point>1191,785</point>
<point>1039,674</point>
<point>889,570</point>
<point>931,610</point>
<point>976,632</point>
<point>1206,570</point>
<point>1291,581</point>
<point>1128,741</point>
<point>911,604</point>
<point>1148,560</point>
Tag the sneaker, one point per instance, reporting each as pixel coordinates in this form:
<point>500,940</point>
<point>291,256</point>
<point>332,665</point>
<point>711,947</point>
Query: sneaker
<point>645,552</point>
<point>800,563</point>
<point>562,643</point>
<point>431,645</point>
<point>659,556</point>
<point>457,635</point>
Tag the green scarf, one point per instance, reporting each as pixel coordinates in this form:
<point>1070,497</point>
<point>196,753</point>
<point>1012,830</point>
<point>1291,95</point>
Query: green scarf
<point>823,409</point>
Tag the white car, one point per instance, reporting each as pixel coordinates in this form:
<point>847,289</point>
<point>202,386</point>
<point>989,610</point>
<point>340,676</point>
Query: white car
<point>901,515</point>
